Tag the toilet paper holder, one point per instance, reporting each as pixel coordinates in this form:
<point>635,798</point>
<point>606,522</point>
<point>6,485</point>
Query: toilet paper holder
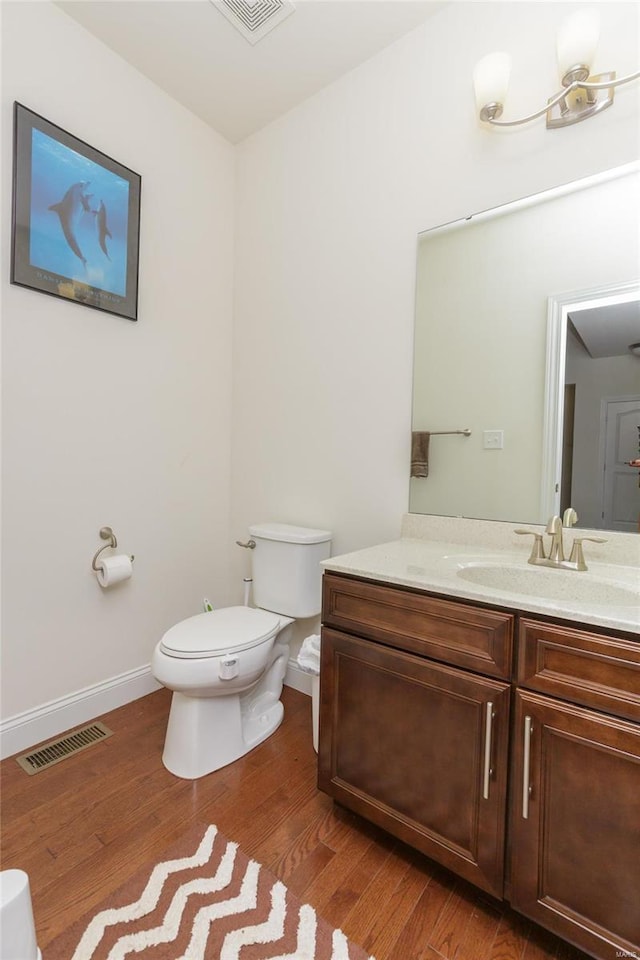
<point>106,533</point>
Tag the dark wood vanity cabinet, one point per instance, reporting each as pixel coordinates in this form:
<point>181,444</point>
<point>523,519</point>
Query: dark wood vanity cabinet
<point>575,855</point>
<point>410,747</point>
<point>416,735</point>
<point>416,745</point>
<point>575,818</point>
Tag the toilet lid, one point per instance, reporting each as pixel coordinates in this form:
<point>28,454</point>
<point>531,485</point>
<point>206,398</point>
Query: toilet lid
<point>220,631</point>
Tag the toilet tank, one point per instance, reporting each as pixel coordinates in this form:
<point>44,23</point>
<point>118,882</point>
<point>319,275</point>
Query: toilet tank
<point>287,576</point>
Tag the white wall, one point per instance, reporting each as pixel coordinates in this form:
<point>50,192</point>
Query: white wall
<point>106,421</point>
<point>330,200</point>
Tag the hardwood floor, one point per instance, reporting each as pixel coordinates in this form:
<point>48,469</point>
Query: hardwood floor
<point>82,827</point>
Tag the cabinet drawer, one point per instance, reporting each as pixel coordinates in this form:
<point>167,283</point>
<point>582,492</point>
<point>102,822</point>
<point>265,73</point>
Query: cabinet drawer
<point>582,667</point>
<point>464,636</point>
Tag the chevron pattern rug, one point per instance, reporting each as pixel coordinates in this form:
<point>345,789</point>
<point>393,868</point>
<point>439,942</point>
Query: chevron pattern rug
<point>208,902</point>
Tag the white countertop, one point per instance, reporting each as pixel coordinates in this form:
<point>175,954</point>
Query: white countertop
<point>443,567</point>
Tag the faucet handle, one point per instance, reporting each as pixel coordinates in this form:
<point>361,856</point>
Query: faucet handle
<point>537,548</point>
<point>577,555</point>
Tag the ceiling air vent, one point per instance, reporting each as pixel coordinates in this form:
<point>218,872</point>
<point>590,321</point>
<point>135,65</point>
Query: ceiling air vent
<point>254,18</point>
<point>63,747</point>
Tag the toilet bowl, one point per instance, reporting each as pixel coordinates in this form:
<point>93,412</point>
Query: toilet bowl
<point>226,667</point>
<point>17,928</point>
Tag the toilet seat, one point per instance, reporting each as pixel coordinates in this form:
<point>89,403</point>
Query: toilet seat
<point>218,632</point>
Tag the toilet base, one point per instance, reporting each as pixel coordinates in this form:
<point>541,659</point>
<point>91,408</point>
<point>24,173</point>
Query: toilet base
<point>207,733</point>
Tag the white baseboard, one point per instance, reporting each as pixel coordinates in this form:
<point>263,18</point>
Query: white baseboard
<point>297,678</point>
<point>25,730</point>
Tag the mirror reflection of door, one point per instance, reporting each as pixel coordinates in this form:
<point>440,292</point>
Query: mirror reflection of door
<point>602,417</point>
<point>621,483</point>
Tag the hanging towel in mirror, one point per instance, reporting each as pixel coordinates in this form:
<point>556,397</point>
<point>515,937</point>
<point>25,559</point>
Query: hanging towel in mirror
<point>420,453</point>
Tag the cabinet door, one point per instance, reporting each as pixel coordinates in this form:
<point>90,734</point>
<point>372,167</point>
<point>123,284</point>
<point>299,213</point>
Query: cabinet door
<point>575,865</point>
<point>419,748</point>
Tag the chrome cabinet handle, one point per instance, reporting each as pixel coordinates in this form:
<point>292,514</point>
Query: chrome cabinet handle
<point>526,762</point>
<point>488,729</point>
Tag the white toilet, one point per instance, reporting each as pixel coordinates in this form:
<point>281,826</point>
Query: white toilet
<point>227,667</point>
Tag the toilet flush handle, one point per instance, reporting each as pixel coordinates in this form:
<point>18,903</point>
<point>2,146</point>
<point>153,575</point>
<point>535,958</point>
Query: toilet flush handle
<point>250,544</point>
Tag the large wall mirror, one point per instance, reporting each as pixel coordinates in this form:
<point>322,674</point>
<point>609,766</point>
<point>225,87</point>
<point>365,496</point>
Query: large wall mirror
<point>525,319</point>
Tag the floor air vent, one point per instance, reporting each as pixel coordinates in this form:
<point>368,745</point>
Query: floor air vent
<point>63,747</point>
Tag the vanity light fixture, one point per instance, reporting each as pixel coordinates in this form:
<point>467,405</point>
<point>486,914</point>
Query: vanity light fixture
<point>582,95</point>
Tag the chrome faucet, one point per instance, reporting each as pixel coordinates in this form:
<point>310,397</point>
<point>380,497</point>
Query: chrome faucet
<point>556,557</point>
<point>556,548</point>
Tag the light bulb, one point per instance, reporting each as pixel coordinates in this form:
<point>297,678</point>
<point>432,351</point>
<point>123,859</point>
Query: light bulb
<point>491,79</point>
<point>577,40</point>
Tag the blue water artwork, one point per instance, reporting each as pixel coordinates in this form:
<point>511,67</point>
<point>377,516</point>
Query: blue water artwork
<point>78,217</point>
<point>75,230</point>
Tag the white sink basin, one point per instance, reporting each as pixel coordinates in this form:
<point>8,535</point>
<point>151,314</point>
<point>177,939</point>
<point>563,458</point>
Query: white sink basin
<point>548,584</point>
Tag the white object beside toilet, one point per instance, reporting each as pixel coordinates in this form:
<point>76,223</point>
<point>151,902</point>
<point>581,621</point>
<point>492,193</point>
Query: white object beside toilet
<point>17,928</point>
<point>226,668</point>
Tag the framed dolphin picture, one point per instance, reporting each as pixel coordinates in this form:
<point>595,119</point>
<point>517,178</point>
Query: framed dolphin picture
<point>76,218</point>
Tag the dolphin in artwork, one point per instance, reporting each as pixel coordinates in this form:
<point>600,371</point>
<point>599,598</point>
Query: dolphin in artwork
<point>69,210</point>
<point>103,229</point>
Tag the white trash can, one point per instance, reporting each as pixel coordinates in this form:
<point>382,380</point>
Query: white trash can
<point>309,661</point>
<point>17,928</point>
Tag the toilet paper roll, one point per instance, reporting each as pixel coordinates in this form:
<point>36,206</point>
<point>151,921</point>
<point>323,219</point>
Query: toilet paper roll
<point>114,569</point>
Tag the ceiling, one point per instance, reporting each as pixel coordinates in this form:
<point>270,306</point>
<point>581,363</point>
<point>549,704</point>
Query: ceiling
<point>195,53</point>
<point>608,331</point>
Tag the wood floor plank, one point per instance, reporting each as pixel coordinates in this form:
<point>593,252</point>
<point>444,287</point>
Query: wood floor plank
<point>481,931</point>
<point>511,938</point>
<point>350,850</point>
<point>451,924</point>
<point>541,944</point>
<point>414,940</point>
<point>347,896</point>
<point>85,826</point>
<point>375,906</point>
<point>386,930</point>
<point>303,873</point>
<point>295,837</point>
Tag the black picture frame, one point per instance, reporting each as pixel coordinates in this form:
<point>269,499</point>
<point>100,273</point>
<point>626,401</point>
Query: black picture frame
<point>75,220</point>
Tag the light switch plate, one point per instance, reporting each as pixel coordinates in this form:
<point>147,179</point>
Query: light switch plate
<point>493,439</point>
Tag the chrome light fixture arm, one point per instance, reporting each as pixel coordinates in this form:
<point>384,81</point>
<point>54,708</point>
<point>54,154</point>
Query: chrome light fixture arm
<point>593,85</point>
<point>493,111</point>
